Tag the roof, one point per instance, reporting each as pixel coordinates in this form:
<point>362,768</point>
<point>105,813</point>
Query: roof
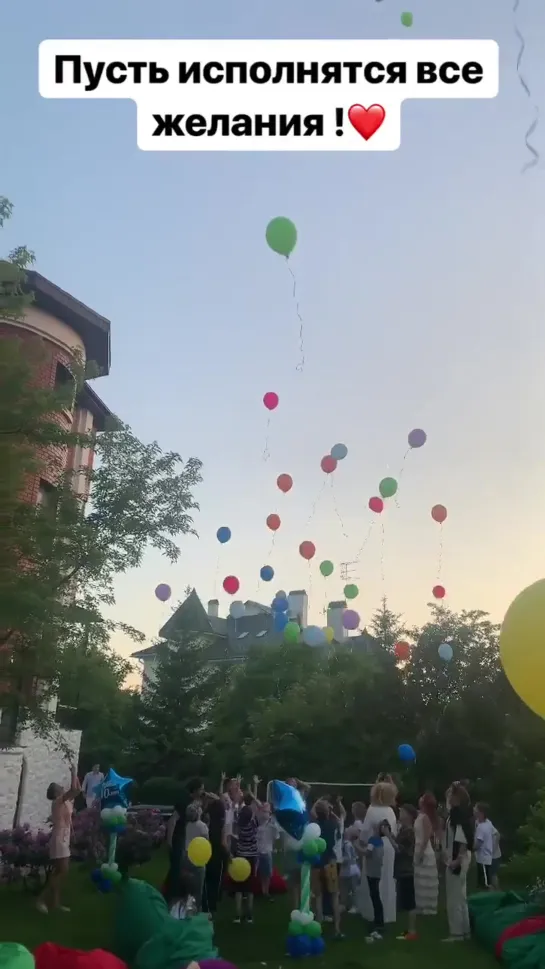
<point>89,400</point>
<point>93,329</point>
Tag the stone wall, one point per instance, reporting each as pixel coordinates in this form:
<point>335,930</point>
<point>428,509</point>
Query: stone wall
<point>34,764</point>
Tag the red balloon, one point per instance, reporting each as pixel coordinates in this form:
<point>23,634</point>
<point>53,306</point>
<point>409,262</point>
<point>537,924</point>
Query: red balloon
<point>376,504</point>
<point>402,651</point>
<point>231,584</point>
<point>328,464</point>
<point>439,513</point>
<point>273,522</point>
<point>439,591</point>
<point>284,482</point>
<point>270,400</point>
<point>307,550</point>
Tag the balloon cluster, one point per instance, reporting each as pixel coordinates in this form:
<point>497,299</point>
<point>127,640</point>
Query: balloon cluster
<point>114,820</point>
<point>106,877</point>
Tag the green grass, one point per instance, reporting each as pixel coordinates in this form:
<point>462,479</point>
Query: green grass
<point>89,926</point>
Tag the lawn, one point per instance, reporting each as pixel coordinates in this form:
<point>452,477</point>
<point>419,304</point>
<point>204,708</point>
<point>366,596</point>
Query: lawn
<point>88,926</point>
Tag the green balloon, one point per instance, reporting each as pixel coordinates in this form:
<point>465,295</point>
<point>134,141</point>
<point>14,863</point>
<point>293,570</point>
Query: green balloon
<point>281,236</point>
<point>326,568</point>
<point>320,846</point>
<point>292,632</point>
<point>313,929</point>
<point>351,591</point>
<point>295,928</point>
<point>407,19</point>
<point>310,849</point>
<point>388,487</point>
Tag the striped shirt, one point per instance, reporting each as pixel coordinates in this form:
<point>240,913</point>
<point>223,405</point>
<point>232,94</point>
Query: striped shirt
<point>247,834</point>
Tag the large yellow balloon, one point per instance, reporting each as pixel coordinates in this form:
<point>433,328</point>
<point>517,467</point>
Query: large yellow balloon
<point>522,646</point>
<point>199,852</point>
<point>240,869</point>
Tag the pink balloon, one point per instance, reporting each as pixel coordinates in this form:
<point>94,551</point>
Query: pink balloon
<point>270,400</point>
<point>231,584</point>
<point>376,504</point>
<point>439,514</point>
<point>307,550</point>
<point>439,592</point>
<point>328,464</point>
<point>351,619</point>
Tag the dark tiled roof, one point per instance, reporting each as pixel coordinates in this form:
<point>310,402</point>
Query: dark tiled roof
<point>190,617</point>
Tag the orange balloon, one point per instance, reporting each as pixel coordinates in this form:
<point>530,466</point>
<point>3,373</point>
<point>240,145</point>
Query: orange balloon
<point>439,514</point>
<point>273,522</point>
<point>307,550</point>
<point>284,482</point>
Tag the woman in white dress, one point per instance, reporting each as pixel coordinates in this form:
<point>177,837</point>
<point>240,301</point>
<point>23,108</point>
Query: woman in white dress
<point>458,845</point>
<point>426,877</point>
<point>383,797</point>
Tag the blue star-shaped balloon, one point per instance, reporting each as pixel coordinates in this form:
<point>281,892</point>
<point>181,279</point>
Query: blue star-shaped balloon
<point>112,790</point>
<point>290,808</point>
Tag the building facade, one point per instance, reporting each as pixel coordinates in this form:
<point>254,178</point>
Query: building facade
<point>64,330</point>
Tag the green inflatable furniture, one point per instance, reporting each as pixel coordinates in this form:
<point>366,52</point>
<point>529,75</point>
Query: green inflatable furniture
<point>525,952</point>
<point>15,956</point>
<point>141,912</point>
<point>177,943</point>
<point>490,919</point>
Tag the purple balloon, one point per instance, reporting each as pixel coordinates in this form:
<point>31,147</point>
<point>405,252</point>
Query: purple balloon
<point>417,438</point>
<point>351,619</point>
<point>163,592</point>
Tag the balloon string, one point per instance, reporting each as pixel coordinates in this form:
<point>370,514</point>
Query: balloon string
<point>336,509</point>
<point>440,561</point>
<point>301,365</point>
<point>309,583</point>
<point>366,539</point>
<point>382,544</point>
<point>533,151</point>
<point>315,504</point>
<point>402,468</point>
<point>216,576</point>
<point>266,452</point>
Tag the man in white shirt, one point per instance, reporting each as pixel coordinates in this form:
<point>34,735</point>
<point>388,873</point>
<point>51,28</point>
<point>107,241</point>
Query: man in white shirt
<point>486,844</point>
<point>91,781</point>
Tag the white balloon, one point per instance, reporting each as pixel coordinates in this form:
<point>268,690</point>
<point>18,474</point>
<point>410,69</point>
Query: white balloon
<point>106,813</point>
<point>237,609</point>
<point>306,918</point>
<point>311,832</point>
<point>119,810</point>
<point>296,916</point>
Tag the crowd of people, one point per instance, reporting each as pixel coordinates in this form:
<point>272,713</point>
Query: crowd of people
<point>382,862</point>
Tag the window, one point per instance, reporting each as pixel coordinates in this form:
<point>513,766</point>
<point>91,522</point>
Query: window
<point>47,495</point>
<point>64,382</point>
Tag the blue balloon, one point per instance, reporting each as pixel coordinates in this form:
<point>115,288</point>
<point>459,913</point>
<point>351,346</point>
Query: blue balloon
<point>298,946</point>
<point>105,886</point>
<point>267,573</point>
<point>376,841</point>
<point>339,452</point>
<point>445,652</point>
<point>112,790</point>
<point>279,604</point>
<point>223,534</point>
<point>406,753</point>
<point>96,876</point>
<point>289,808</point>
<point>281,620</point>
<point>317,946</point>
<point>314,636</point>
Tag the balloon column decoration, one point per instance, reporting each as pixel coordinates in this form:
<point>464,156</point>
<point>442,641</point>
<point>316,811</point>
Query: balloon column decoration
<point>304,932</point>
<point>113,815</point>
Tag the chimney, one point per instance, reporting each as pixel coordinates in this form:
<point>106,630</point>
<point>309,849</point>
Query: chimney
<point>335,619</point>
<point>213,608</point>
<point>298,609</point>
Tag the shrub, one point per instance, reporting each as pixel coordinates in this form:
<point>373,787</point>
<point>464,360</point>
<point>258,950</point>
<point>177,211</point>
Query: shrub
<point>528,866</point>
<point>161,790</point>
<point>24,855</point>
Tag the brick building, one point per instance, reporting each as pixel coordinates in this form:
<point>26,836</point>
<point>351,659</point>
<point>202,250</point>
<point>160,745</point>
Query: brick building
<point>63,328</point>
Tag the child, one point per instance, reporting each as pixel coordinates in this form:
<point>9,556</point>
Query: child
<point>247,848</point>
<point>194,828</point>
<point>374,857</point>
<point>183,905</point>
<point>59,842</point>
<point>325,877</point>
<point>404,869</point>
<point>486,846</point>
<point>350,874</point>
<point>267,834</point>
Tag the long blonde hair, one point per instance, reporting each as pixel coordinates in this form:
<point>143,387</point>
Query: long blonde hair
<point>384,794</point>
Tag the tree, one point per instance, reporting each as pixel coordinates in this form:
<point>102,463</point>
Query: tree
<point>387,626</point>
<point>175,709</point>
<point>57,564</point>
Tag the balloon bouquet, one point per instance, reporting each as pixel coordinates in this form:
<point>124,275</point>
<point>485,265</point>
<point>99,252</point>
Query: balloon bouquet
<point>113,814</point>
<point>304,933</point>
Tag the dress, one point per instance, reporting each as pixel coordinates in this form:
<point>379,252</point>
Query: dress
<point>426,878</point>
<point>59,843</point>
<point>375,814</point>
<point>456,885</point>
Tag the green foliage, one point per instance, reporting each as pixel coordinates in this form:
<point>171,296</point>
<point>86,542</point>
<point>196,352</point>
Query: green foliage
<point>528,864</point>
<point>161,790</point>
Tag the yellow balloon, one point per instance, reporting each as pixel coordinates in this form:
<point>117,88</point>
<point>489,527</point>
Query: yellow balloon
<point>240,869</point>
<point>522,646</point>
<point>199,852</point>
<point>329,634</point>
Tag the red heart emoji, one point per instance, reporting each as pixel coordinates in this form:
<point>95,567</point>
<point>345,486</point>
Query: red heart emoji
<point>366,121</point>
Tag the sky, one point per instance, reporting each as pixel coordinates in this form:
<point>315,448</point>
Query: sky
<point>420,283</point>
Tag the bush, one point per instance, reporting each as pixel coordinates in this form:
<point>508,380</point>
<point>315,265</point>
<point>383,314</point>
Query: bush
<point>528,866</point>
<point>161,790</point>
<point>24,856</point>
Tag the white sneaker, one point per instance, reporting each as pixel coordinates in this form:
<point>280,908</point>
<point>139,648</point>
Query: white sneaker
<point>42,907</point>
<point>328,918</point>
<point>353,910</point>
